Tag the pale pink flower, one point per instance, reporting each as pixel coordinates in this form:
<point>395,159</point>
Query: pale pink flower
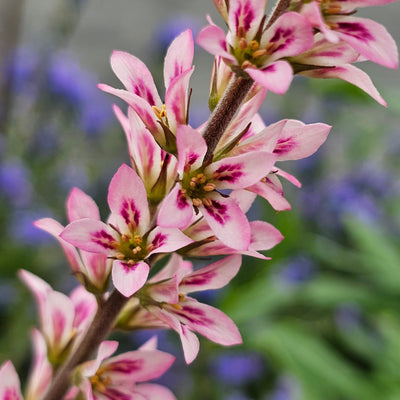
<point>141,93</point>
<point>335,20</point>
<point>63,319</point>
<point>251,49</point>
<point>129,236</point>
<point>92,270</point>
<point>166,298</point>
<point>121,377</point>
<point>155,167</point>
<point>199,185</point>
<point>10,388</point>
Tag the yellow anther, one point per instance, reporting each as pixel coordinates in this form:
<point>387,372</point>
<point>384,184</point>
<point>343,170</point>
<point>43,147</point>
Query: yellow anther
<point>125,237</point>
<point>157,111</point>
<point>181,297</point>
<point>197,202</point>
<point>201,178</point>
<point>242,43</point>
<point>207,202</point>
<point>333,9</point>
<point>247,64</point>
<point>137,239</point>
<point>254,45</point>
<point>136,250</point>
<point>192,183</point>
<point>209,187</point>
<point>177,306</point>
<point>119,256</point>
<point>259,53</point>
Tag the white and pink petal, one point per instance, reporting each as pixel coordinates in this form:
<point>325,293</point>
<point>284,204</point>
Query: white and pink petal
<point>128,279</point>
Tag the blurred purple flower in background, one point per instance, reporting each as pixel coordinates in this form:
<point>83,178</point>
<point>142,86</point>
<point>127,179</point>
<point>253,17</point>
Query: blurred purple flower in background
<point>15,183</point>
<point>359,193</point>
<point>286,389</point>
<point>238,368</point>
<point>348,316</point>
<point>298,270</point>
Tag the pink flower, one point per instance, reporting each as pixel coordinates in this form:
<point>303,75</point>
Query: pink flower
<point>166,298</point>
<point>334,18</point>
<point>199,184</point>
<point>10,388</point>
<point>92,270</point>
<point>63,319</point>
<point>155,167</point>
<point>251,49</point>
<point>129,236</point>
<point>141,93</point>
<point>120,377</point>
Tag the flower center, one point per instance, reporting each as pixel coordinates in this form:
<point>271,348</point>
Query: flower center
<point>99,383</point>
<point>132,248</point>
<point>161,114</point>
<point>197,187</point>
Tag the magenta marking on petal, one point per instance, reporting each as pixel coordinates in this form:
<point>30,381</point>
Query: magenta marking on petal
<point>218,211</point>
<point>11,394</point>
<point>195,316</point>
<point>126,366</point>
<point>281,34</point>
<point>181,200</point>
<point>202,279</point>
<point>284,145</point>
<point>244,14</point>
<point>228,172</point>
<point>192,158</point>
<point>104,239</point>
<point>58,320</point>
<point>129,212</point>
<point>141,90</point>
<point>356,30</point>
<point>159,240</point>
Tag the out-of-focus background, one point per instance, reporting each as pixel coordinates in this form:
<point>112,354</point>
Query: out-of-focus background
<point>321,320</point>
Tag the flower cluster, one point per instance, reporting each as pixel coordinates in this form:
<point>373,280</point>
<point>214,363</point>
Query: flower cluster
<point>186,194</point>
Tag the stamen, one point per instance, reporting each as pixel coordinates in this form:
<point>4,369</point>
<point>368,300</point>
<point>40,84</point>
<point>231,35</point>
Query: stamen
<point>209,187</point>
<point>197,202</point>
<point>259,53</point>
<point>177,306</point>
<point>242,44</point>
<point>207,202</point>
<point>254,45</point>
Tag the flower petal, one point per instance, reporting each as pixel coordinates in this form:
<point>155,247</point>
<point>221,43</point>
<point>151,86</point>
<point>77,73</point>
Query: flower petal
<point>154,392</point>
<point>91,235</point>
<point>179,56</point>
<point>135,76</point>
<point>227,221</point>
<point>214,276</point>
<point>167,240</point>
<point>9,382</point>
<point>369,38</point>
<point>276,77</point>
<point>240,171</point>
<point>127,199</point>
<point>176,211</point>
<point>212,39</point>
<point>128,279</point>
<point>208,321</point>
<point>105,350</point>
<point>80,205</point>
<point>351,74</point>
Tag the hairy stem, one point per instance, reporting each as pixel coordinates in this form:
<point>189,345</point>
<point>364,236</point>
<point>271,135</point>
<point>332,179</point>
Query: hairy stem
<point>99,329</point>
<point>280,7</point>
<point>224,112</point>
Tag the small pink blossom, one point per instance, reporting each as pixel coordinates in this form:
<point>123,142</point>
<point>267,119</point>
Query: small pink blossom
<point>141,93</point>
<point>254,50</point>
<point>92,270</point>
<point>63,319</point>
<point>199,185</point>
<point>121,377</point>
<point>129,236</point>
